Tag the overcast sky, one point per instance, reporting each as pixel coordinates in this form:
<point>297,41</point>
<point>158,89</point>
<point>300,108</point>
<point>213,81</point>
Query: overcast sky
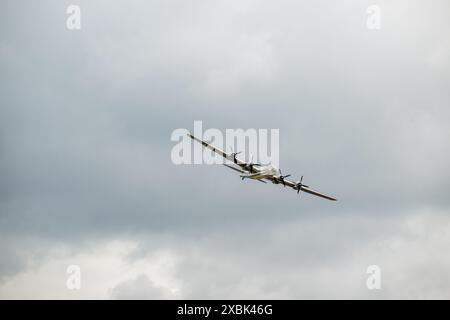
<point>85,171</point>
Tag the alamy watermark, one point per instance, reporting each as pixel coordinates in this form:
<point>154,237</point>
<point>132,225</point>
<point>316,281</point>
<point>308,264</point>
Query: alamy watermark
<point>73,21</point>
<point>74,279</point>
<point>256,145</point>
<point>373,21</point>
<point>373,281</point>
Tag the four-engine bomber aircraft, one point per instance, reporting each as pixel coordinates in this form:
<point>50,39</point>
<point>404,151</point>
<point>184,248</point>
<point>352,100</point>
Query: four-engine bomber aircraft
<point>260,172</point>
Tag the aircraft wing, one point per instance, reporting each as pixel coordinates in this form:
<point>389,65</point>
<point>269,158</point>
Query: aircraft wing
<point>287,182</point>
<point>220,152</point>
<point>235,169</point>
<point>308,190</point>
<point>304,188</point>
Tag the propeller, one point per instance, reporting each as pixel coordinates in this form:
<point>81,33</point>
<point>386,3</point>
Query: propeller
<point>281,177</point>
<point>234,154</point>
<point>250,165</point>
<point>300,184</point>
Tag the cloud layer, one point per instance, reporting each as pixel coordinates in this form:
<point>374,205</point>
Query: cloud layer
<point>85,170</point>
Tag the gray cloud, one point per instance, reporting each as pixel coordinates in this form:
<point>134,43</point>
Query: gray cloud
<point>86,118</point>
<point>140,288</point>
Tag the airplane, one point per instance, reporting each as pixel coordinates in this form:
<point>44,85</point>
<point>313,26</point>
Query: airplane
<point>259,172</point>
